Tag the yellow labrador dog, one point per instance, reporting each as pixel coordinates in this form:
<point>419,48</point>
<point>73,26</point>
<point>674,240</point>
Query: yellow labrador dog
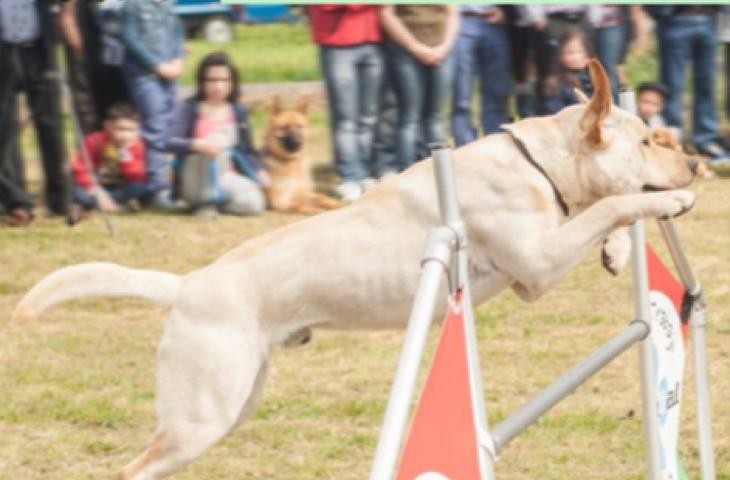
<point>535,199</point>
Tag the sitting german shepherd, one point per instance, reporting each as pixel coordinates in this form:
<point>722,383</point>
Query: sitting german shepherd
<point>535,200</point>
<point>285,156</point>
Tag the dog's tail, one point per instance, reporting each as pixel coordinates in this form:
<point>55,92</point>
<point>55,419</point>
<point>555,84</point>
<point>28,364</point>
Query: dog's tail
<point>95,280</point>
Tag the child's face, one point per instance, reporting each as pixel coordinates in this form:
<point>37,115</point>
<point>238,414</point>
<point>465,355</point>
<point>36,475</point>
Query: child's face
<point>573,55</point>
<point>649,104</point>
<point>123,132</point>
<point>217,83</point>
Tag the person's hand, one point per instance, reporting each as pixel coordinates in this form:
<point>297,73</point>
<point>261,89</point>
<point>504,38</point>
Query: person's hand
<point>540,25</point>
<point>495,15</point>
<point>264,178</point>
<point>431,56</point>
<point>207,148</point>
<point>177,66</point>
<point>642,35</point>
<point>104,201</point>
<point>170,70</point>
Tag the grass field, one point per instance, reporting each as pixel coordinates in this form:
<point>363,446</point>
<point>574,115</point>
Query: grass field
<point>77,386</point>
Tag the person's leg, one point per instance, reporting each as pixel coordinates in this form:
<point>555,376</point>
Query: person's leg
<point>384,154</point>
<point>244,195</point>
<point>704,112</point>
<point>84,102</point>
<point>464,64</point>
<point>438,85</point>
<point>12,180</point>
<point>41,84</point>
<point>409,89</point>
<point>152,99</point>
<point>128,191</point>
<point>609,49</point>
<point>494,57</point>
<point>674,51</point>
<point>338,66</point>
<point>370,71</point>
<point>83,198</point>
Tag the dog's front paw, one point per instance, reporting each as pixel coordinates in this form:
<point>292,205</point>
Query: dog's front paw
<point>616,251</point>
<point>676,203</point>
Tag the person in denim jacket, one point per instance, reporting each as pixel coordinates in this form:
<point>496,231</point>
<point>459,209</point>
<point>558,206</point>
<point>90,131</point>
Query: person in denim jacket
<point>154,43</point>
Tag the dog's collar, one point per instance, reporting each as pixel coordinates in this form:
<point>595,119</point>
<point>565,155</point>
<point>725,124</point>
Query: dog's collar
<point>525,153</point>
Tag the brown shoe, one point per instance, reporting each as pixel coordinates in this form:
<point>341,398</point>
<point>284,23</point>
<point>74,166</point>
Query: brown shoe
<point>19,217</point>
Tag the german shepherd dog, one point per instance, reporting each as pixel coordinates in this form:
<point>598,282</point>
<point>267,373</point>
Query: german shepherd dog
<point>292,188</point>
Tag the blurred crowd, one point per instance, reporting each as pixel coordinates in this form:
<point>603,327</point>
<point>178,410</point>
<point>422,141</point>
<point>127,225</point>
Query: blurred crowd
<point>397,78</point>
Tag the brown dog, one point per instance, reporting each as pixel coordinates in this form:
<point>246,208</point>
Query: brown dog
<point>292,188</point>
<point>665,138</point>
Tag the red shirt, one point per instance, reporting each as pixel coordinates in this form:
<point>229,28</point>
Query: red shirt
<point>108,162</point>
<point>345,25</point>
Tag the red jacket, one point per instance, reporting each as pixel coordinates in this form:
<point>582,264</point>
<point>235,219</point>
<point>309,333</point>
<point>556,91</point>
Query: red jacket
<point>131,169</point>
<point>345,25</point>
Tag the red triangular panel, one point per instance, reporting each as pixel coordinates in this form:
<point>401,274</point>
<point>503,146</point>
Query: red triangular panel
<point>661,279</point>
<point>443,436</point>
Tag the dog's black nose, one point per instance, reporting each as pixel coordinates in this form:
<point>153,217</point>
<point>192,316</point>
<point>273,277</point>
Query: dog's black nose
<point>692,164</point>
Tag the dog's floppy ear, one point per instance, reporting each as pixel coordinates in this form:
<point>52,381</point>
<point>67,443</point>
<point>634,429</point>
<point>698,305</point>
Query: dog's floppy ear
<point>303,104</point>
<point>600,104</point>
<point>276,105</point>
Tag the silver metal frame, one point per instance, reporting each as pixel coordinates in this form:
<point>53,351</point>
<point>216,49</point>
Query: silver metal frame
<point>445,253</point>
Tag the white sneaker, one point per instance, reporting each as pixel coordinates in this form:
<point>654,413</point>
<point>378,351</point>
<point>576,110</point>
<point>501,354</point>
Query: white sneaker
<point>368,184</point>
<point>349,191</point>
<point>387,175</point>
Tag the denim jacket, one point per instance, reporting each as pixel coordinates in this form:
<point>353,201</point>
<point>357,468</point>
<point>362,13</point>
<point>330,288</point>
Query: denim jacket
<point>152,34</point>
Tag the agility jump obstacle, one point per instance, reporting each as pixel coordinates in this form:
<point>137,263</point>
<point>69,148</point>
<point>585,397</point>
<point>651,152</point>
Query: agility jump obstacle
<point>427,454</point>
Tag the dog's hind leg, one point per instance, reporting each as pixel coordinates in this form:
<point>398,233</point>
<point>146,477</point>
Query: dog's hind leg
<point>206,379</point>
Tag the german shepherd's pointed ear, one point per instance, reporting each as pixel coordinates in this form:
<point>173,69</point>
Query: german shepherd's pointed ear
<point>276,107</point>
<point>600,104</point>
<point>303,104</point>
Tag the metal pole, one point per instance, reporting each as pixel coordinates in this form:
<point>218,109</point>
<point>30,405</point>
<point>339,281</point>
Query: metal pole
<point>640,275</point>
<point>459,274</point>
<point>530,412</point>
<point>702,388</point>
<point>646,358</point>
<point>678,257</point>
<point>699,350</point>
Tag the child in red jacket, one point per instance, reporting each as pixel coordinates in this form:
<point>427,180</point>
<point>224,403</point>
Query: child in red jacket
<point>111,171</point>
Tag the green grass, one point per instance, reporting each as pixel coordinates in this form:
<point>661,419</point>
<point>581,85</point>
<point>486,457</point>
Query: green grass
<point>263,53</point>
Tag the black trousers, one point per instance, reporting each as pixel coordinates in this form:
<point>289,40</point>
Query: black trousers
<point>30,69</point>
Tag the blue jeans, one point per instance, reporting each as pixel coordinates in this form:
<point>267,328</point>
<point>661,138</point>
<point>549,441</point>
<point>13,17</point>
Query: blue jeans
<point>610,45</point>
<point>683,38</point>
<point>482,49</point>
<point>121,194</point>
<point>352,77</point>
<point>155,100</point>
<point>421,91</point>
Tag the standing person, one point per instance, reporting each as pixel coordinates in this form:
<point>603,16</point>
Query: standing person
<point>217,166</point>
<point>94,73</point>
<point>482,50</point>
<point>153,41</point>
<point>419,57</point>
<point>349,39</point>
<point>28,38</point>
<point>688,33</point>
